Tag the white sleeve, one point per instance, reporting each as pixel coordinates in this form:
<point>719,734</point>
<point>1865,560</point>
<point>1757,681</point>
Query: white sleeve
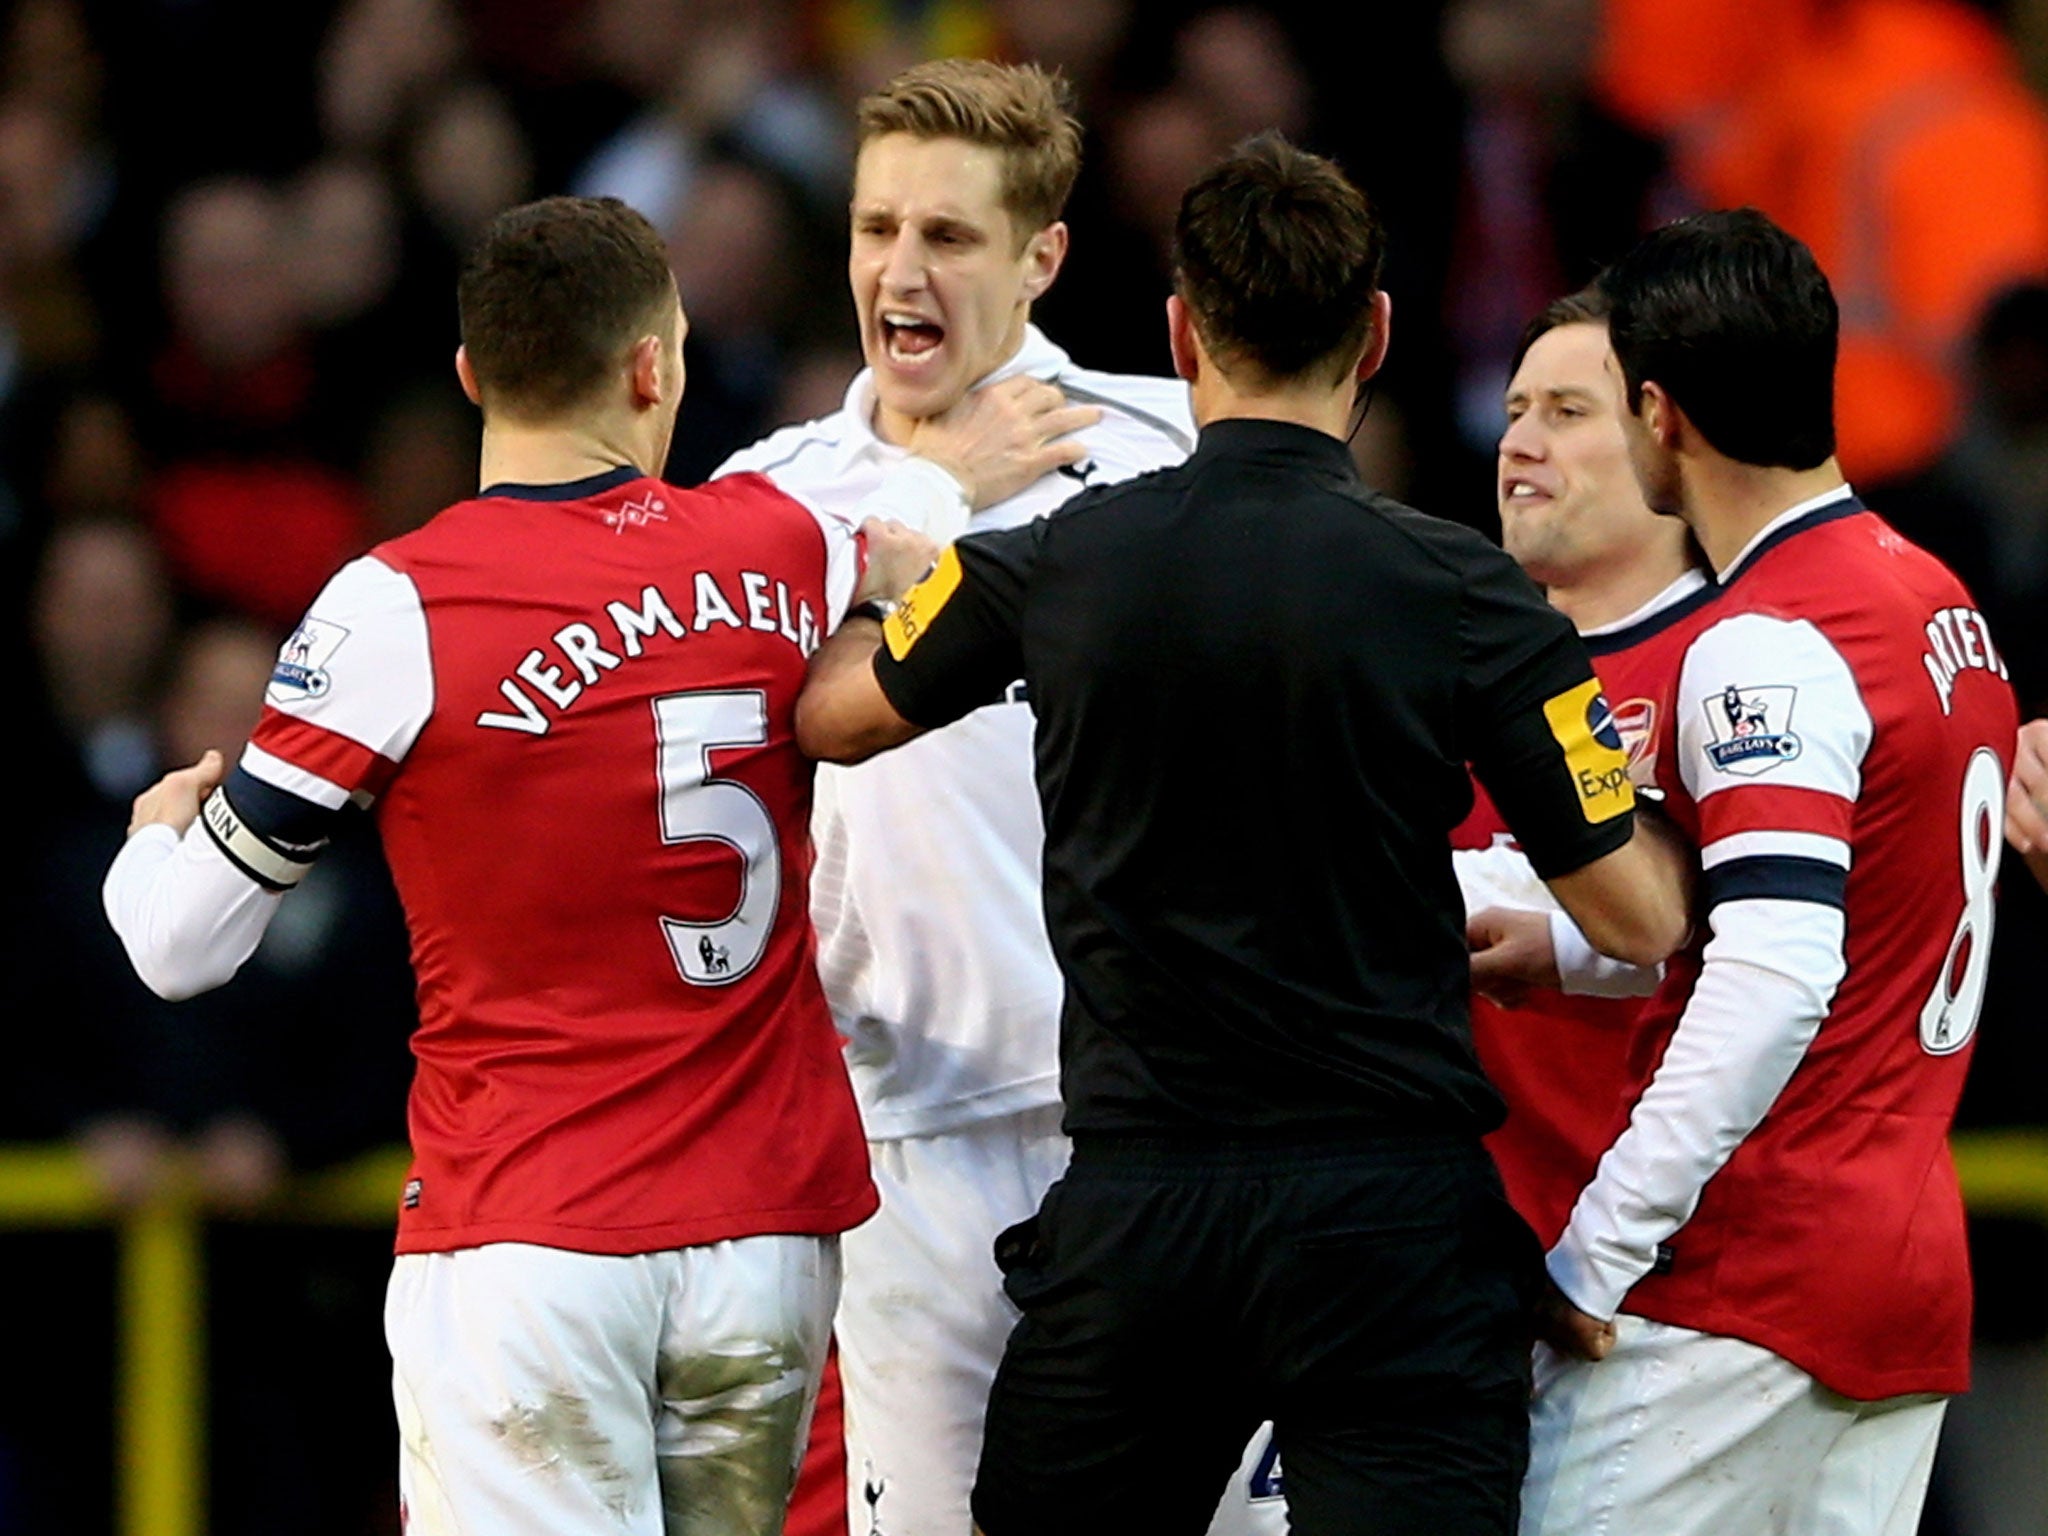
<point>1582,971</point>
<point>187,917</point>
<point>916,492</point>
<point>1767,979</point>
<point>1502,876</point>
<point>1766,704</point>
<point>351,690</point>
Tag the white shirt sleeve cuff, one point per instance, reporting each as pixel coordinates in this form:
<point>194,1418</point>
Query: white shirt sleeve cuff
<point>1582,971</point>
<point>1596,1289</point>
<point>924,496</point>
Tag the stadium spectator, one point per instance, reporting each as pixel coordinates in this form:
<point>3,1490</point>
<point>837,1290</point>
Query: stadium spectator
<point>1914,162</point>
<point>245,494</point>
<point>1551,186</point>
<point>1672,68</point>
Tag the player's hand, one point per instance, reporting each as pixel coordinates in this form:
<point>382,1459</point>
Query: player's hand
<point>898,557</point>
<point>1572,1333</point>
<point>1511,953</point>
<point>173,800</point>
<point>1004,436</point>
<point>2026,801</point>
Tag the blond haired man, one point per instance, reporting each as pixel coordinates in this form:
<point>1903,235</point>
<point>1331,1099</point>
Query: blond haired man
<point>930,927</point>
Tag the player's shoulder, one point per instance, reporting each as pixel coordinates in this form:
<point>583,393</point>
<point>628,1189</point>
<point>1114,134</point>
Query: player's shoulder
<point>806,454</point>
<point>1853,564</point>
<point>1146,418</point>
<point>1439,541</point>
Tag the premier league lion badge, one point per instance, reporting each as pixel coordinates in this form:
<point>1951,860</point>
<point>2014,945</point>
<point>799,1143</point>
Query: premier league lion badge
<point>1752,728</point>
<point>301,671</point>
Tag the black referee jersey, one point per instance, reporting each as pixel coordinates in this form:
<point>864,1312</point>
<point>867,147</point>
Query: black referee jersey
<point>1257,685</point>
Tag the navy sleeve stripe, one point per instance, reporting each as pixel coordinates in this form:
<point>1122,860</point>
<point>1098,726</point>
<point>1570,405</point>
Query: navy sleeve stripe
<point>1775,877</point>
<point>290,823</point>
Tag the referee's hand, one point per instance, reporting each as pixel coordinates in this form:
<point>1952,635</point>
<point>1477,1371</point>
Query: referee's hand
<point>1570,1332</point>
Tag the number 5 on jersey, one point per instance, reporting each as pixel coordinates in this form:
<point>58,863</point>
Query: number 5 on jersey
<point>695,807</point>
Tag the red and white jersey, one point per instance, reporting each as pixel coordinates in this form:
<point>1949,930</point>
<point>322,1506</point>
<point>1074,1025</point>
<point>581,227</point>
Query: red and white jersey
<point>574,707</point>
<point>1839,749</point>
<point>1565,1064</point>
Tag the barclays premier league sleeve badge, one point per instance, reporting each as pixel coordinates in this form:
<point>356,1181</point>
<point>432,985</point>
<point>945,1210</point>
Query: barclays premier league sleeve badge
<point>1751,728</point>
<point>301,670</point>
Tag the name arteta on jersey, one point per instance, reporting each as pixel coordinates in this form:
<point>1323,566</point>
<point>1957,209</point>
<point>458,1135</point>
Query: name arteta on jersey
<point>582,653</point>
<point>1958,640</point>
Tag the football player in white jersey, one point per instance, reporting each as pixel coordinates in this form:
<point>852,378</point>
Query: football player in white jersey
<point>930,929</point>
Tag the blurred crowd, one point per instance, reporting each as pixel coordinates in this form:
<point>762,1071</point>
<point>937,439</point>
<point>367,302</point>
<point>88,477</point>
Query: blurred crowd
<point>229,231</point>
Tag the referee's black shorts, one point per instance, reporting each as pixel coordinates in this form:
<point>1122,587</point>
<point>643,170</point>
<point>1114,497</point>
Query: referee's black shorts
<point>1372,1299</point>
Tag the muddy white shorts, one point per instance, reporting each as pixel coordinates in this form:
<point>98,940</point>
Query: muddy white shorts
<point>1691,1434</point>
<point>547,1393</point>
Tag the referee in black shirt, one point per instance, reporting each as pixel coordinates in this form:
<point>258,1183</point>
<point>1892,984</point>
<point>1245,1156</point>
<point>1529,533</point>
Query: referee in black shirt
<point>1257,686</point>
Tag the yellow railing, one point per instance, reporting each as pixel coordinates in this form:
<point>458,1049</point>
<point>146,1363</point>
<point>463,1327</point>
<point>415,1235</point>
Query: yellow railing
<point>161,1390</point>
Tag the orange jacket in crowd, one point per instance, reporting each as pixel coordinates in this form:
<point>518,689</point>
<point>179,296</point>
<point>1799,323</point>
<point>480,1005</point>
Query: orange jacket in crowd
<point>1897,139</point>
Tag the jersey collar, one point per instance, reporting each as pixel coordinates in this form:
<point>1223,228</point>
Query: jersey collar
<point>567,490</point>
<point>1827,507</point>
<point>1037,356</point>
<point>1255,434</point>
<point>1689,593</point>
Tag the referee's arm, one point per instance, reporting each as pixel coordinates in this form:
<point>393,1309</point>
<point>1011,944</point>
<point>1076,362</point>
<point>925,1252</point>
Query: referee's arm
<point>1544,743</point>
<point>949,647</point>
<point>842,716</point>
<point>1635,903</point>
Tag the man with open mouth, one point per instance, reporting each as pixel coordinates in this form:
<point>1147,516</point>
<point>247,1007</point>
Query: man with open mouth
<point>930,928</point>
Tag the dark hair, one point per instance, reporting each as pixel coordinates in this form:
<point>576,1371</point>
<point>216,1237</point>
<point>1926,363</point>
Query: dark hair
<point>1277,256</point>
<point>1588,306</point>
<point>551,297</point>
<point>1018,110</point>
<point>1735,320</point>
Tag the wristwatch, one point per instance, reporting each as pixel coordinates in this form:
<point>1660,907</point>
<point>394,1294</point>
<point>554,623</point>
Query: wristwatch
<point>876,608</point>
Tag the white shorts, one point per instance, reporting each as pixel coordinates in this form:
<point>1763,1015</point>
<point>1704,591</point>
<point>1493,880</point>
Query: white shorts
<point>923,1320</point>
<point>1691,1434</point>
<point>548,1393</point>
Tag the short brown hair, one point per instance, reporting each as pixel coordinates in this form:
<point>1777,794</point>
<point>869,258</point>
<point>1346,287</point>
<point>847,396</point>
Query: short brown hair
<point>1277,256</point>
<point>1589,306</point>
<point>551,297</point>
<point>1018,109</point>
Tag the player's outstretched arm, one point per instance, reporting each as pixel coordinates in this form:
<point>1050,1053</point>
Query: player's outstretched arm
<point>186,916</point>
<point>2026,799</point>
<point>843,716</point>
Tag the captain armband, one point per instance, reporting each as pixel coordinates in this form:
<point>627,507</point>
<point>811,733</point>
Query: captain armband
<point>273,865</point>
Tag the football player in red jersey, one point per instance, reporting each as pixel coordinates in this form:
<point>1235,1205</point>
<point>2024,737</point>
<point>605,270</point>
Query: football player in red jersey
<point>1776,1237</point>
<point>571,701</point>
<point>1632,584</point>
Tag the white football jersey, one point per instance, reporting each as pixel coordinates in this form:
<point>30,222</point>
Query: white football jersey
<point>931,932</point>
